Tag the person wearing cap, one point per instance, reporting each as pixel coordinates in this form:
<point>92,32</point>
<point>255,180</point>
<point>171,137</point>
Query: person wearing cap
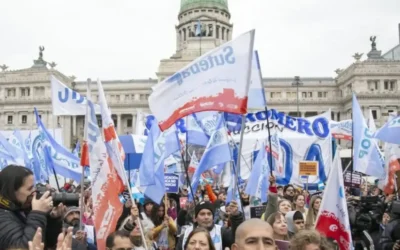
<point>83,239</point>
<point>204,217</point>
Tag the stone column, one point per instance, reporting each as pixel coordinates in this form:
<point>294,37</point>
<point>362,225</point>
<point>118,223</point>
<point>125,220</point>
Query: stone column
<point>119,125</point>
<point>74,126</point>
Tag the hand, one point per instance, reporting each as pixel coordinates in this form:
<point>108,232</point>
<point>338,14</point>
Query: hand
<point>134,213</point>
<point>396,246</point>
<point>272,180</point>
<point>44,204</point>
<point>36,243</point>
<point>166,221</point>
<point>58,211</point>
<point>64,242</point>
<point>81,236</point>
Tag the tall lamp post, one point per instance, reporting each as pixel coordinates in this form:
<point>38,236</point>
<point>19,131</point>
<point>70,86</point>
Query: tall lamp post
<point>297,82</point>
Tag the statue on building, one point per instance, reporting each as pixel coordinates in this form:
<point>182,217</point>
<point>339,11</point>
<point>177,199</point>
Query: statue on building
<point>4,67</point>
<point>373,43</point>
<point>41,49</point>
<point>53,65</point>
<point>358,56</point>
<point>338,71</point>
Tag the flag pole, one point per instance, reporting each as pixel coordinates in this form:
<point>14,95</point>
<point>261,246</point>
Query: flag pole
<point>266,113</point>
<point>186,165</point>
<point>82,200</point>
<point>249,68</point>
<point>54,136</point>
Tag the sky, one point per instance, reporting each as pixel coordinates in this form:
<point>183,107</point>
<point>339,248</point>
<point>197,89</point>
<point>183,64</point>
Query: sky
<point>126,39</point>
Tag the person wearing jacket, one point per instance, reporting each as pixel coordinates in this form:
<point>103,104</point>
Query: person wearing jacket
<point>22,212</point>
<point>204,216</point>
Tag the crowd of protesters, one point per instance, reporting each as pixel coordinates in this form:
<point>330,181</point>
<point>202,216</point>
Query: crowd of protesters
<point>30,221</point>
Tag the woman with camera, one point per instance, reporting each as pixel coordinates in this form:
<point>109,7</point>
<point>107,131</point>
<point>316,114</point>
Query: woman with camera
<point>22,213</point>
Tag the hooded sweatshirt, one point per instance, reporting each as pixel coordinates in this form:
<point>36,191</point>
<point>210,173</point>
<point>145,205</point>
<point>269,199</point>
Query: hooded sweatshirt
<point>290,218</point>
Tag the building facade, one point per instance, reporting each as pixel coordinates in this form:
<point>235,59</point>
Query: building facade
<point>203,25</point>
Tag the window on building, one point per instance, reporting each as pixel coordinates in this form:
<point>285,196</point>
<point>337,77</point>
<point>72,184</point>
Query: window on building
<point>309,94</point>
<point>304,94</point>
<point>129,123</point>
<point>11,92</point>
<point>24,119</point>
<point>374,114</point>
<point>40,117</point>
<point>275,94</point>
<point>115,122</point>
<point>10,119</point>
<point>322,94</point>
<point>117,97</point>
<point>390,111</point>
<point>389,85</point>
<point>373,85</point>
<point>25,92</point>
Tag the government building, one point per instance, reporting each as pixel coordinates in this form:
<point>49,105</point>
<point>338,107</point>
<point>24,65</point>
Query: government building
<point>375,80</point>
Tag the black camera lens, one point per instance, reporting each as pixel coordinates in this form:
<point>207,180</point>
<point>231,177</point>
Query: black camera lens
<point>68,199</point>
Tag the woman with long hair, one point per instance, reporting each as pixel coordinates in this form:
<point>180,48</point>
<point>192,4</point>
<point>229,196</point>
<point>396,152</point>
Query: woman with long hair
<point>199,239</point>
<point>315,203</point>
<point>279,226</point>
<point>164,228</point>
<point>299,203</point>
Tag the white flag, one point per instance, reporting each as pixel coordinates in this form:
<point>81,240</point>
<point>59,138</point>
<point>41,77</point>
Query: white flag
<point>333,217</point>
<point>66,101</point>
<point>218,80</point>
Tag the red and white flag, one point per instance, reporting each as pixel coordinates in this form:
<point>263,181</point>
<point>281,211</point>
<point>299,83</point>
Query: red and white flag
<point>333,217</point>
<point>106,184</point>
<point>218,80</point>
<point>392,165</point>
<point>114,147</point>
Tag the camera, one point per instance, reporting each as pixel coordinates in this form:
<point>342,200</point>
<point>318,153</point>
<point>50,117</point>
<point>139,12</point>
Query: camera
<point>68,199</point>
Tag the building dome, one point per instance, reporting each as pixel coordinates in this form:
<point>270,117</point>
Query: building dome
<point>194,4</point>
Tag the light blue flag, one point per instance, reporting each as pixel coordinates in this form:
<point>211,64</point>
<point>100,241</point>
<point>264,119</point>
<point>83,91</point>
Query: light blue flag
<point>77,149</point>
<point>63,161</point>
<point>159,146</point>
<point>8,152</point>
<point>216,152</point>
<point>367,158</point>
<point>200,127</point>
<point>390,132</point>
<point>18,143</point>
<point>256,97</point>
<point>156,191</point>
<point>258,183</point>
<point>195,134</point>
<point>233,192</point>
<point>9,149</point>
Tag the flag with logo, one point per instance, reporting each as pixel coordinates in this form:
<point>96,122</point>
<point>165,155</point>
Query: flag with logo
<point>367,157</point>
<point>105,182</point>
<point>333,216</point>
<point>218,80</point>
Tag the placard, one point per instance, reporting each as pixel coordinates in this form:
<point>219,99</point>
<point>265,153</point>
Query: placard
<point>309,168</point>
<point>257,212</point>
<point>171,183</point>
<point>355,182</point>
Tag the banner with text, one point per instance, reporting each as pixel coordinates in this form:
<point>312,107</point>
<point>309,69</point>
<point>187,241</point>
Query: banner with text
<point>301,139</point>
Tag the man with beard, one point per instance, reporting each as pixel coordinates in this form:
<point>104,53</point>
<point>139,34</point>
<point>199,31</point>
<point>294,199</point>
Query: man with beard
<point>81,241</point>
<point>288,192</point>
<point>204,216</point>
